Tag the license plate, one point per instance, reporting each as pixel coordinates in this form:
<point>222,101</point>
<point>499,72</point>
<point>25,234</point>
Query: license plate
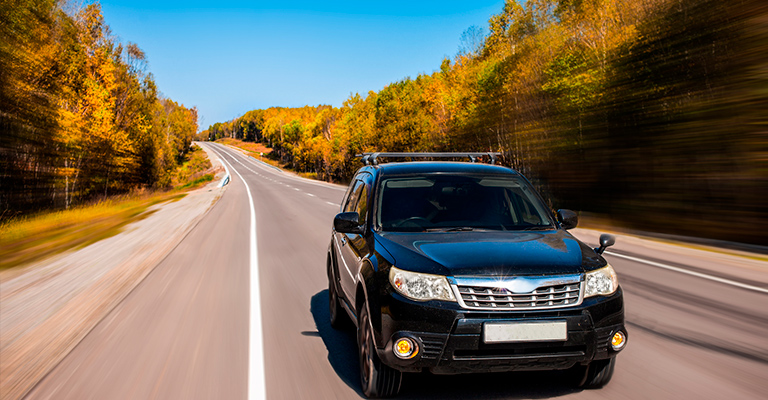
<point>510,332</point>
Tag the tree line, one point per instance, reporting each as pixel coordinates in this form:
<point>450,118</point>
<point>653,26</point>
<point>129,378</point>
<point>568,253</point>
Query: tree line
<point>652,113</point>
<point>81,118</point>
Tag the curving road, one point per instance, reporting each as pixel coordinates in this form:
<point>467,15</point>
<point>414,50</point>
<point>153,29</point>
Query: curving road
<point>196,328</point>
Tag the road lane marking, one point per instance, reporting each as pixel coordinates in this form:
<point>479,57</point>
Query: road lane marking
<point>256,381</point>
<point>310,195</point>
<point>685,271</point>
<point>267,167</point>
<point>238,161</point>
<point>286,185</point>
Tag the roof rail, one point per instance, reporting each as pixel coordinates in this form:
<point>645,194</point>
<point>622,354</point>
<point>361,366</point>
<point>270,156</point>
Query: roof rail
<point>372,158</point>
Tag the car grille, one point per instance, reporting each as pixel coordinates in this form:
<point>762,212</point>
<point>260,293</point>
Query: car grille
<point>520,353</point>
<point>494,296</point>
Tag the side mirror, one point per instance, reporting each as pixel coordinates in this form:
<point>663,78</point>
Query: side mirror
<point>348,222</point>
<point>568,219</point>
<point>606,240</point>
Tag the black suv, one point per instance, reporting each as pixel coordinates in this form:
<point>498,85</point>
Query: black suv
<point>458,267</point>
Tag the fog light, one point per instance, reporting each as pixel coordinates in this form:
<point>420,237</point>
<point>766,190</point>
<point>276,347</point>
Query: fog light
<point>618,341</point>
<point>405,348</point>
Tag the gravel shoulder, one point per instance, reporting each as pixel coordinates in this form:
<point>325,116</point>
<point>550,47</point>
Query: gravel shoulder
<point>47,308</point>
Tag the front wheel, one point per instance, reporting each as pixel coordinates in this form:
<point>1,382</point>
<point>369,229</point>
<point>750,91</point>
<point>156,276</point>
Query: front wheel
<point>377,379</point>
<point>597,374</point>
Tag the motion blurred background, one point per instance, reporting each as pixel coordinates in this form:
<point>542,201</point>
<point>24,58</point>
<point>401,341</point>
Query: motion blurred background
<point>643,114</point>
<point>652,114</point>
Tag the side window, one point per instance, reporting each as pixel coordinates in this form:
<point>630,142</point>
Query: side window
<point>347,195</point>
<point>353,196</point>
<point>362,204</point>
<point>358,197</point>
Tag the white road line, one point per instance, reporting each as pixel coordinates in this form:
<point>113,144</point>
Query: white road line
<point>266,167</point>
<point>310,195</point>
<point>286,185</point>
<point>256,381</point>
<point>238,161</point>
<point>693,273</point>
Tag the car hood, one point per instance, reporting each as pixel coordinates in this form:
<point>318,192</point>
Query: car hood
<point>497,253</point>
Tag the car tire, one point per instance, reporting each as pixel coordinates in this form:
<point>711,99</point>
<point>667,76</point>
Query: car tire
<point>597,374</point>
<point>337,314</point>
<point>377,380</point>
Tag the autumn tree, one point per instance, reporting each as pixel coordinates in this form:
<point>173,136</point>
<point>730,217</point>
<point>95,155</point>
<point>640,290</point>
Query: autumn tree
<point>80,116</point>
<point>649,112</point>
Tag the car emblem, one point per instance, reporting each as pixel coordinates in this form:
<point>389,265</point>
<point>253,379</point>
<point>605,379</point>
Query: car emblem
<point>518,286</point>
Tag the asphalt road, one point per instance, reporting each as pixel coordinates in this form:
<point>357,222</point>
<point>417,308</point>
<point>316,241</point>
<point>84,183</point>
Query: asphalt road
<point>184,333</point>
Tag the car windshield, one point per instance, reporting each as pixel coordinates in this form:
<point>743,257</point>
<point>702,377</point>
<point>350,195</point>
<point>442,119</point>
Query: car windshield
<point>444,202</point>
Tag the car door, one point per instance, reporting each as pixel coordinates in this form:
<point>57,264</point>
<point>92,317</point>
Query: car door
<point>346,257</point>
<point>353,247</point>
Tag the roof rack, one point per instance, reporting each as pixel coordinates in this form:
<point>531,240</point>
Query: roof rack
<point>372,158</point>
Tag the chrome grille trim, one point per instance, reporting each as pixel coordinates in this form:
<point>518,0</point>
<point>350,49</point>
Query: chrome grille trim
<point>518,293</point>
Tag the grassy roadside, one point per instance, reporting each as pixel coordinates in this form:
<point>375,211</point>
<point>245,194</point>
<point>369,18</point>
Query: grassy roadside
<point>32,238</point>
<point>194,171</point>
<point>255,149</point>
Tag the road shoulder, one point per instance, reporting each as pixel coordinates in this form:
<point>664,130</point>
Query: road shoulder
<point>47,308</point>
<point>741,266</point>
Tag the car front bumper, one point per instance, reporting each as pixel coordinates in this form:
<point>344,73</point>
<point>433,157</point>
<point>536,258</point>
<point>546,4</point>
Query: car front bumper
<point>450,338</point>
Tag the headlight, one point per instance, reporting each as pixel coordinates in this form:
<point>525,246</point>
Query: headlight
<point>420,287</point>
<point>601,282</point>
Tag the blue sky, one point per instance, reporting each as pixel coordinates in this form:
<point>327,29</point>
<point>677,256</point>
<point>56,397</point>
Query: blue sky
<point>229,57</point>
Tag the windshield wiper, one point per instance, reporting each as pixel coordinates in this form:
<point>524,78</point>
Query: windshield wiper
<point>454,229</point>
<point>534,228</point>
<point>460,229</point>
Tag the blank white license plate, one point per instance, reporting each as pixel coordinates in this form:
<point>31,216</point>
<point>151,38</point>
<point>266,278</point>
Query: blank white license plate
<point>525,332</point>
